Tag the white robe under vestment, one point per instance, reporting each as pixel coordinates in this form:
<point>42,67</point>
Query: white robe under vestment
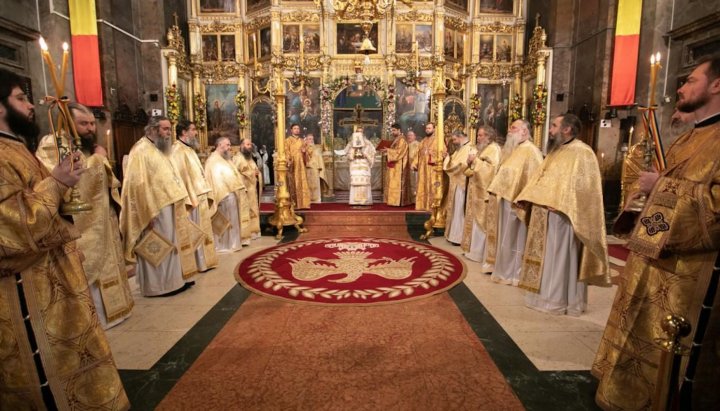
<point>360,156</point>
<point>230,240</point>
<point>167,276</point>
<point>560,290</point>
<point>511,245</point>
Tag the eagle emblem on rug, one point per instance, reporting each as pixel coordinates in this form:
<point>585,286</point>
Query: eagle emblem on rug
<point>353,264</point>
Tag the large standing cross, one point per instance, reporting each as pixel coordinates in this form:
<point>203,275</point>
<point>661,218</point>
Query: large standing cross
<point>358,120</point>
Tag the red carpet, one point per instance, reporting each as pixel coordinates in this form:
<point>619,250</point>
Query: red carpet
<point>268,208</point>
<point>350,270</point>
<point>618,251</point>
<point>275,355</point>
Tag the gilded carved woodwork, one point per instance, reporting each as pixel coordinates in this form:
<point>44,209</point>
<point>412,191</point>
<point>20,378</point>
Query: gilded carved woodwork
<point>414,15</point>
<point>494,27</point>
<point>257,23</point>
<point>301,16</point>
<point>537,44</point>
<point>220,71</point>
<point>456,23</point>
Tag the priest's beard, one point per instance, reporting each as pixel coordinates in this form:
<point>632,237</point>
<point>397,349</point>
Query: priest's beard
<point>552,143</point>
<point>162,144</point>
<point>430,134</point>
<point>688,106</point>
<point>23,126</point>
<point>226,155</point>
<point>193,142</point>
<point>481,146</point>
<point>246,153</point>
<point>87,142</point>
<point>511,142</point>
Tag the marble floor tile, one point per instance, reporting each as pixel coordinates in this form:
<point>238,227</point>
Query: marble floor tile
<point>555,351</point>
<point>140,350</point>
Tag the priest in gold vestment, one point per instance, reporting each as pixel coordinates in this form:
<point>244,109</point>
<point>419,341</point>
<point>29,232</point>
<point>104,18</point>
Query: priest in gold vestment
<point>455,166</point>
<point>674,244</point>
<point>231,200</point>
<point>424,163</point>
<point>413,148</point>
<point>566,248</point>
<point>252,179</point>
<point>100,241</point>
<point>507,227</point>
<point>153,207</point>
<point>199,199</point>
<point>54,353</point>
<point>481,170</point>
<point>296,156</point>
<point>397,176</point>
<point>315,169</point>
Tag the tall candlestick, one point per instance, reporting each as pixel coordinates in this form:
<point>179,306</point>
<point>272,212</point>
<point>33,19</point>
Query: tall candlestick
<point>654,66</point>
<point>464,49</point>
<point>255,49</point>
<point>51,66</point>
<point>417,56</point>
<point>63,69</point>
<point>302,50</point>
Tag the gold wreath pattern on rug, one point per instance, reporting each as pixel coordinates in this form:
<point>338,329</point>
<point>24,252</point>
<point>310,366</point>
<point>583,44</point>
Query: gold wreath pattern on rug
<point>353,260</point>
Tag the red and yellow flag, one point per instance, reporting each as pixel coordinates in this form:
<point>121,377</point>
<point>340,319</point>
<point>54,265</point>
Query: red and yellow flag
<point>627,43</point>
<point>85,53</point>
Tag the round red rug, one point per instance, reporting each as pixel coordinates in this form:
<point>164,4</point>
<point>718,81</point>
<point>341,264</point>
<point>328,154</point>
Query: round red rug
<point>350,270</point>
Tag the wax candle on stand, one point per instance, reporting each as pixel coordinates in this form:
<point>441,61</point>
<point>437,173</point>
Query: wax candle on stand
<point>63,69</point>
<point>654,66</point>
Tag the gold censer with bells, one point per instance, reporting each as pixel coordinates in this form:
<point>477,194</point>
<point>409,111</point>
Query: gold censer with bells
<point>63,125</point>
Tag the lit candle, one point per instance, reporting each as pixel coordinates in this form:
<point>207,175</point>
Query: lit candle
<point>63,69</point>
<point>654,66</point>
<point>48,61</point>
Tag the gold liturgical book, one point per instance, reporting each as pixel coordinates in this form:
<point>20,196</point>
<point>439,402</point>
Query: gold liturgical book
<point>220,223</point>
<point>154,248</point>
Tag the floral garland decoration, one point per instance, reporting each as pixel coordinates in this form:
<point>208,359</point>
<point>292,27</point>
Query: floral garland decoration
<point>538,106</point>
<point>474,114</point>
<point>390,108</point>
<point>173,103</point>
<point>240,98</point>
<point>200,113</point>
<point>515,108</point>
<point>329,90</point>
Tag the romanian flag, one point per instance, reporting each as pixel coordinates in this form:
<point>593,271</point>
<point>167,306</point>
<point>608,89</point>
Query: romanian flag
<point>627,43</point>
<point>85,53</point>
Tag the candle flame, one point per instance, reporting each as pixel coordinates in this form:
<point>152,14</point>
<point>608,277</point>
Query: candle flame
<point>65,46</point>
<point>657,57</point>
<point>43,44</point>
<point>652,59</point>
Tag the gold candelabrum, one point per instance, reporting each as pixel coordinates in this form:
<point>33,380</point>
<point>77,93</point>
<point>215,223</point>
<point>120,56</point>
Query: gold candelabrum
<point>638,204</point>
<point>63,125</point>
<point>284,214</point>
<point>437,216</point>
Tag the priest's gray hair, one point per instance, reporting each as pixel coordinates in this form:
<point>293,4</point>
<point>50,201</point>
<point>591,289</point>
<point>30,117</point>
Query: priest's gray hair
<point>220,140</point>
<point>154,123</point>
<point>526,124</point>
<point>490,132</point>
